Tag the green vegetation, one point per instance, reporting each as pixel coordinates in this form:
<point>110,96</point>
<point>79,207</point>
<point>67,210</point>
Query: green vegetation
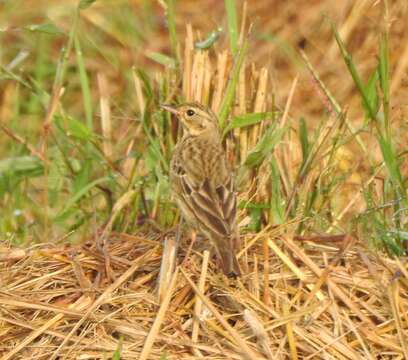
<point>83,142</point>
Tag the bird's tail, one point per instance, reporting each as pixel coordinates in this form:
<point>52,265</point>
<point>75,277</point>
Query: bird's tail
<point>228,259</point>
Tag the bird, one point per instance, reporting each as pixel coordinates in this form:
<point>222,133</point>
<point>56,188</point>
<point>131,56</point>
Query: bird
<point>202,182</point>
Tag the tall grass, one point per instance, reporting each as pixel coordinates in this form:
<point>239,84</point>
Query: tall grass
<point>386,229</point>
<point>82,151</point>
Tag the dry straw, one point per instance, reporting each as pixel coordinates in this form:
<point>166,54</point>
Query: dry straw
<point>53,303</point>
<point>300,298</point>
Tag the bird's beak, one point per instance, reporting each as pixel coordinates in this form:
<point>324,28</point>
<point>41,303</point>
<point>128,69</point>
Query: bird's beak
<point>170,108</point>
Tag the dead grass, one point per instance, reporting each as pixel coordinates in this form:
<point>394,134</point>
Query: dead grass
<point>316,302</point>
<point>302,296</point>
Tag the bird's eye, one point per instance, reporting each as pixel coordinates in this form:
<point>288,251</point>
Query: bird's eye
<point>190,112</point>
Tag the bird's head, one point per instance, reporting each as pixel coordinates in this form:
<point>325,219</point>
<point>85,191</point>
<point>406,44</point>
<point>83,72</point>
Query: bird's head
<point>195,117</point>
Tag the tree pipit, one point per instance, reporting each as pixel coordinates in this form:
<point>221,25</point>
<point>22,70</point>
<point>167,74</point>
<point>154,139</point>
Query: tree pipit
<point>202,184</point>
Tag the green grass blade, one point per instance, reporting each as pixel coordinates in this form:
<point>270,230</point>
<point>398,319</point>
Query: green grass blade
<point>371,91</point>
<point>86,92</point>
<point>265,146</point>
<point>209,40</point>
<point>247,120</point>
<point>82,192</point>
<point>118,351</point>
<point>391,163</point>
<point>277,210</point>
<point>384,72</point>
<point>21,166</point>
<point>45,28</point>
<point>354,74</point>
<point>171,21</point>
<point>162,59</point>
<point>230,7</point>
<point>78,129</point>
<point>304,140</point>
<point>56,175</point>
<point>63,64</point>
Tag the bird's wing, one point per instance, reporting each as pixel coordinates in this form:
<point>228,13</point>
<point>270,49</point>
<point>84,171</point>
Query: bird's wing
<point>213,205</point>
<point>207,198</point>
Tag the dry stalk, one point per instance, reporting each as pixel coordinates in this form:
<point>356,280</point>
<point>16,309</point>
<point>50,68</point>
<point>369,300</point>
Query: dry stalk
<point>106,120</point>
<point>198,302</point>
<point>168,265</point>
<point>159,318</point>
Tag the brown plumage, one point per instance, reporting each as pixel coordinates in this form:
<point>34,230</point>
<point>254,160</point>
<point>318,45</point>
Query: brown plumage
<point>202,184</point>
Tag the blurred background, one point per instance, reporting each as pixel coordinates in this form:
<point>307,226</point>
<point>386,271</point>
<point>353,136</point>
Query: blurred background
<point>118,34</point>
<point>115,36</point>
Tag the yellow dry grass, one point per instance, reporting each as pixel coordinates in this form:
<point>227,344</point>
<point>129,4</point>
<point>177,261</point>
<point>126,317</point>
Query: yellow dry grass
<point>318,301</point>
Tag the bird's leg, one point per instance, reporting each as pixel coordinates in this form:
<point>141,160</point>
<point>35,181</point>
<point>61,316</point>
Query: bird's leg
<point>216,256</point>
